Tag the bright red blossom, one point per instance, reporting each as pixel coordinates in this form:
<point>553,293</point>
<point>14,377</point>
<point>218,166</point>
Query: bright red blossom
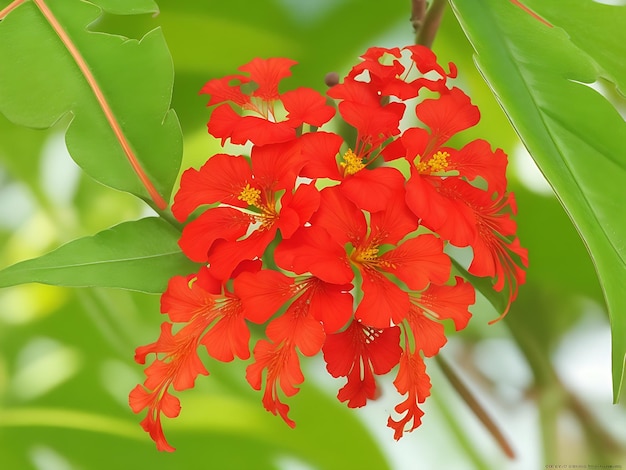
<point>333,246</point>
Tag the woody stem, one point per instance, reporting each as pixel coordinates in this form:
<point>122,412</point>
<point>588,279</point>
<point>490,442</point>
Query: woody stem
<point>431,21</point>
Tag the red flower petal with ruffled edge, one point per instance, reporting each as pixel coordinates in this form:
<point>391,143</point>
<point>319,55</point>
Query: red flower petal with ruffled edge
<point>319,151</point>
<point>447,115</point>
<point>497,252</point>
<point>176,361</point>
<point>305,105</point>
<point>371,189</point>
<point>227,88</point>
<point>220,223</point>
<point>447,302</point>
<point>220,179</point>
<point>313,250</point>
<point>383,302</point>
<point>358,353</point>
<point>439,210</point>
<point>296,328</point>
<point>267,74</point>
<point>180,371</point>
<point>476,159</point>
<point>412,380</point>
<point>418,262</point>
<point>227,124</point>
<point>394,222</point>
<point>283,367</point>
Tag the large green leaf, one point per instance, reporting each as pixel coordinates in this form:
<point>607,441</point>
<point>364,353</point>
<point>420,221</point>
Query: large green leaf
<point>540,74</point>
<point>139,255</point>
<point>118,90</point>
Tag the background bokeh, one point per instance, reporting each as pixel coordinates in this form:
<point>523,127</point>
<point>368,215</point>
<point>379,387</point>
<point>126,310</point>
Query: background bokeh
<point>66,365</point>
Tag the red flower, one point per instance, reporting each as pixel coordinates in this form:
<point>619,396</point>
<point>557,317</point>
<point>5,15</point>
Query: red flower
<point>252,208</point>
<point>358,353</point>
<point>278,249</point>
<point>416,261</point>
<point>176,364</point>
<point>264,126</point>
<point>423,324</point>
<point>315,307</point>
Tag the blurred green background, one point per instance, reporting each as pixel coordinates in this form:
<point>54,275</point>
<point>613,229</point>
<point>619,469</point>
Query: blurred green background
<point>66,354</point>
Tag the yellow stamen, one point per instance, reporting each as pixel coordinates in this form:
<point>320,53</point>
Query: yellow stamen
<point>437,163</point>
<point>249,195</point>
<point>352,163</point>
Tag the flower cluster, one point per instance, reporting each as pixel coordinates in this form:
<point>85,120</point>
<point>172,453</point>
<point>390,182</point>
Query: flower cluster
<point>338,247</point>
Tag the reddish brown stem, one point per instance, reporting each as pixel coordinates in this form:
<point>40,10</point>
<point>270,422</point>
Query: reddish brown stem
<point>9,8</point>
<point>102,101</point>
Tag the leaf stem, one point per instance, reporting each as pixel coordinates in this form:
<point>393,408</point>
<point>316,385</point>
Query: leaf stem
<point>102,101</point>
<point>428,30</point>
<point>9,8</point>
<point>480,412</point>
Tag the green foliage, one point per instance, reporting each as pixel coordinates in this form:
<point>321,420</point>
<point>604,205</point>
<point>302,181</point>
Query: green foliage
<point>540,75</point>
<point>41,81</point>
<point>141,255</point>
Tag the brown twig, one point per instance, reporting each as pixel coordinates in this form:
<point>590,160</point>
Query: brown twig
<point>475,406</point>
<point>426,34</point>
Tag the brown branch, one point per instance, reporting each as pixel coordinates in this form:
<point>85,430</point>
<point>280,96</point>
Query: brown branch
<point>102,101</point>
<point>428,31</point>
<point>418,12</point>
<point>475,406</point>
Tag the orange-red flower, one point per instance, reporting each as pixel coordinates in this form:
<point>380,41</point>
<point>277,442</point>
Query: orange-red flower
<point>333,246</point>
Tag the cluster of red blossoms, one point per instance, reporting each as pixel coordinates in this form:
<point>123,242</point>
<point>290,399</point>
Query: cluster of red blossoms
<point>337,246</point>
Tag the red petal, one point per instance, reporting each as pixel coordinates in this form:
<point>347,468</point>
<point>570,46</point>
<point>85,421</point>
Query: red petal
<point>418,262</point>
<point>301,205</point>
<point>476,159</point>
<point>411,379</point>
<point>221,90</point>
<point>184,298</point>
<point>296,326</point>
<point>267,73</point>
<point>306,105</point>
<point>218,223</point>
<point>225,256</point>
<point>221,179</point>
<point>392,224</point>
<point>319,151</point>
<point>226,123</point>
<point>449,302</point>
<point>263,293</point>
<point>370,190</point>
<point>330,303</point>
<point>229,337</point>
<point>311,249</point>
<point>383,302</point>
<point>340,217</point>
<point>447,115</point>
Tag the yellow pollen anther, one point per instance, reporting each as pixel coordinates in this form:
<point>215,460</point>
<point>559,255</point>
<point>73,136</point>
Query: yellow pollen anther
<point>369,254</point>
<point>250,195</point>
<point>438,162</point>
<point>352,163</point>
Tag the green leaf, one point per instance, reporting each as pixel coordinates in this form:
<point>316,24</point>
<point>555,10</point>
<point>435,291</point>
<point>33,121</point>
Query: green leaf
<point>540,75</point>
<point>118,91</point>
<point>139,255</point>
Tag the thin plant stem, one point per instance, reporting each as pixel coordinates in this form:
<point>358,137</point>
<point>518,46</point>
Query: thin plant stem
<point>9,8</point>
<point>428,30</point>
<point>103,102</point>
<point>478,410</point>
